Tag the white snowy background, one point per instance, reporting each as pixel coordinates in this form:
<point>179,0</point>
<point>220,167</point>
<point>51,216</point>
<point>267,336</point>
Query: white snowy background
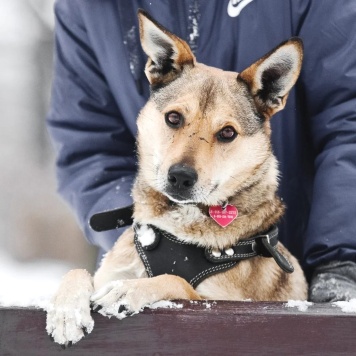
<point>39,239</point>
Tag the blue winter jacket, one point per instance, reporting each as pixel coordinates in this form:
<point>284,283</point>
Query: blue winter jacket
<point>99,87</point>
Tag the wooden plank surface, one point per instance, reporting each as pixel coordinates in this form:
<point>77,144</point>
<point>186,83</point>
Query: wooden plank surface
<point>200,328</point>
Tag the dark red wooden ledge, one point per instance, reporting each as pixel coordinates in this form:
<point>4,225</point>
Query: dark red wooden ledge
<point>227,328</point>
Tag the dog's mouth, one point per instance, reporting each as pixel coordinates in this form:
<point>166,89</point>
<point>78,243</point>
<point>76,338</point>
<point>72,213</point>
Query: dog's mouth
<point>178,198</point>
<point>189,196</point>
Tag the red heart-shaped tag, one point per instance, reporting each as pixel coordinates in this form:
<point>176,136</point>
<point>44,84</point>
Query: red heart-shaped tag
<point>223,216</point>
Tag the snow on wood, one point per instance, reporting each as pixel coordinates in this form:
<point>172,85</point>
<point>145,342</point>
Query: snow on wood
<point>347,307</point>
<point>302,305</point>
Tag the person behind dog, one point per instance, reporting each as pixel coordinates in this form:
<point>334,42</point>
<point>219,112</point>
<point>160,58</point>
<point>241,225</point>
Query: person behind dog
<point>99,87</point>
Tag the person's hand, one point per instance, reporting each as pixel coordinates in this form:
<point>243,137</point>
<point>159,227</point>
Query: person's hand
<point>333,281</point>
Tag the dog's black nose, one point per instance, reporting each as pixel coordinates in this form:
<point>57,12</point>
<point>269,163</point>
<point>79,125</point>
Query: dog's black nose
<point>182,177</point>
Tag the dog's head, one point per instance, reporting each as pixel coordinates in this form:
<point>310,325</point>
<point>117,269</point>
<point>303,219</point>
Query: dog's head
<point>204,134</point>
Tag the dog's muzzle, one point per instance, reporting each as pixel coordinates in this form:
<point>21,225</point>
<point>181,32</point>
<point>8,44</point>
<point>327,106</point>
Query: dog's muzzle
<point>181,179</point>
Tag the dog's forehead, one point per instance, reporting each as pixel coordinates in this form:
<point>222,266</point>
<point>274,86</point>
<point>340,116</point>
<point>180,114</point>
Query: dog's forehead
<point>214,93</point>
<point>200,83</point>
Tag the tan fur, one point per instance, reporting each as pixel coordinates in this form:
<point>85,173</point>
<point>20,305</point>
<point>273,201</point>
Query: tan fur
<point>243,172</point>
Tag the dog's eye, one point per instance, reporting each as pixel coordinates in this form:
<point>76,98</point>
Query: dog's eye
<point>227,134</point>
<point>174,119</point>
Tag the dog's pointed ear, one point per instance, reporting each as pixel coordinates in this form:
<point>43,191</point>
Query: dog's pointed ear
<point>167,53</point>
<point>271,78</point>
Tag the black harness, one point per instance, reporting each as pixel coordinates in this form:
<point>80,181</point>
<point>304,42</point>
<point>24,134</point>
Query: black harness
<point>168,255</point>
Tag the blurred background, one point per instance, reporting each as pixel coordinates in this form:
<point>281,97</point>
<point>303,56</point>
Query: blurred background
<point>39,238</point>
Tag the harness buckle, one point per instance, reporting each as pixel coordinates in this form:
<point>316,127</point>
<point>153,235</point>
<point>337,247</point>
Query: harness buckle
<point>259,247</point>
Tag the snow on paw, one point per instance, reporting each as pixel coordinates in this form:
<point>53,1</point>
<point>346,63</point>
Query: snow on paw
<point>121,298</point>
<point>107,300</point>
<point>67,325</point>
<point>68,315</point>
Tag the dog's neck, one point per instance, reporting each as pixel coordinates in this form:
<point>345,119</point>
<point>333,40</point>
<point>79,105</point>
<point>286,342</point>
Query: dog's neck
<point>258,205</point>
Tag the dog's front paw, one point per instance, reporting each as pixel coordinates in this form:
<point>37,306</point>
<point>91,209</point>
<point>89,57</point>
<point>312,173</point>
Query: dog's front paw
<point>122,298</point>
<point>68,324</point>
<point>68,315</point>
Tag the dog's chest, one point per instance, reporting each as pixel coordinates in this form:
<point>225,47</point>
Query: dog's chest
<point>162,253</point>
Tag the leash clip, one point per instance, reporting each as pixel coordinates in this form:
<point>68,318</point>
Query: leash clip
<point>260,248</point>
<point>271,251</point>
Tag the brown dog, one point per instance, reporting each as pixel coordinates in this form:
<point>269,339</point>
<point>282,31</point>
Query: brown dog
<point>205,202</point>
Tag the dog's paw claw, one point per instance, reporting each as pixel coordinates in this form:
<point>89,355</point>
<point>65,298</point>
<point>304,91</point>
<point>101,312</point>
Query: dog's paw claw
<point>96,307</point>
<point>85,331</point>
<point>122,308</point>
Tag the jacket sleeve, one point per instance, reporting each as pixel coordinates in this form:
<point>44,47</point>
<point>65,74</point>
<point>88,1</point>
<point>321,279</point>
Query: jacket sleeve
<point>95,150</point>
<point>328,30</point>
